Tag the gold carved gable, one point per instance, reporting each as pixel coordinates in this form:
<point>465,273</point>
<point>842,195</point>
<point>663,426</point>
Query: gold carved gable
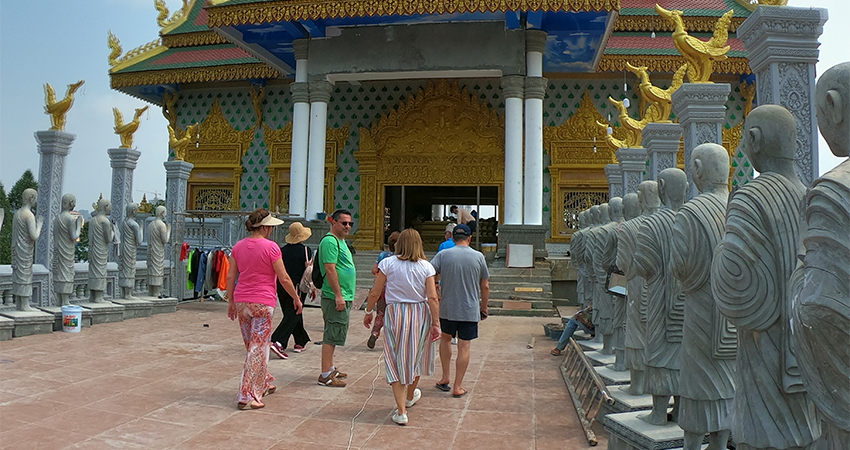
<point>442,135</point>
<point>279,144</point>
<point>219,144</point>
<point>579,142</point>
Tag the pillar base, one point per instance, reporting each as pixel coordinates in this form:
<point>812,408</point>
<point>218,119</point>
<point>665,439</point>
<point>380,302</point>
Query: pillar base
<point>30,322</point>
<point>134,307</point>
<point>161,305</point>
<point>104,312</point>
<point>523,234</point>
<point>7,328</point>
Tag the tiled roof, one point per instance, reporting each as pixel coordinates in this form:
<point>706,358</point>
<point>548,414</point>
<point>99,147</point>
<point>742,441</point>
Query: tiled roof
<point>708,8</point>
<point>196,20</point>
<point>641,44</point>
<point>189,57</point>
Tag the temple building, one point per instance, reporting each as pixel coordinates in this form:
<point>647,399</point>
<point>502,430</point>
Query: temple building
<point>392,108</point>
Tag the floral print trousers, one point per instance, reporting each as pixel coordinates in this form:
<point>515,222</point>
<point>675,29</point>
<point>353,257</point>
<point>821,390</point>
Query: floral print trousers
<point>255,322</point>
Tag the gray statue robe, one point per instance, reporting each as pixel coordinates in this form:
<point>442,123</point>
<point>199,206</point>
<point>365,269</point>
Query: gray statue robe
<point>23,251</point>
<point>127,264</point>
<point>99,240</point>
<point>577,249</point>
<point>709,342</point>
<point>157,240</point>
<point>821,295</point>
<point>63,253</point>
<point>750,277</point>
<point>635,340</point>
<point>604,256</point>
<point>665,304</point>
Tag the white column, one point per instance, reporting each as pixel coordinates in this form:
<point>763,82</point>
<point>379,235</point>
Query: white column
<point>535,91</point>
<point>513,89</point>
<point>299,90</point>
<point>320,93</point>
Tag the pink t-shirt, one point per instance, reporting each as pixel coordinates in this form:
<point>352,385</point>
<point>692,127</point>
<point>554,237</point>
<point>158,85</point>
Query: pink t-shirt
<point>257,281</point>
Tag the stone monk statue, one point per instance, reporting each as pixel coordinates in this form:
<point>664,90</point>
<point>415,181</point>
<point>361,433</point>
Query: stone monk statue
<point>635,341</point>
<point>821,285</point>
<point>618,304</point>
<point>132,233</point>
<point>577,248</point>
<point>158,235</point>
<point>603,259</point>
<point>66,231</point>
<point>709,342</point>
<point>101,236</point>
<point>590,290</point>
<point>750,277</point>
<point>26,228</point>
<point>664,299</point>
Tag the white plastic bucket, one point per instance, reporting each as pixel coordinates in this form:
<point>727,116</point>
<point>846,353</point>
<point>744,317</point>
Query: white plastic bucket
<point>72,318</point>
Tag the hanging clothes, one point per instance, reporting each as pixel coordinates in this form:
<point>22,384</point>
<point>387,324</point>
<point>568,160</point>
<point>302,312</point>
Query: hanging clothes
<point>202,271</point>
<point>222,273</point>
<point>190,280</point>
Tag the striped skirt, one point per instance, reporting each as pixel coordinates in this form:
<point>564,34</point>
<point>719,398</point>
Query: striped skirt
<point>408,352</point>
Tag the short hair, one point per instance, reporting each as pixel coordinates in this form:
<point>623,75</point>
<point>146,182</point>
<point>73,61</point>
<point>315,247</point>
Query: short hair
<point>453,208</point>
<point>391,241</point>
<point>409,246</point>
<point>254,218</point>
<point>336,215</point>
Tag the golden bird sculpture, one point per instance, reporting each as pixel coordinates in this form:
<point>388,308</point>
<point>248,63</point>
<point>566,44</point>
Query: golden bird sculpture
<point>126,130</point>
<point>612,142</point>
<point>181,145</point>
<point>58,109</point>
<point>700,55</point>
<point>115,48</point>
<point>661,98</point>
<point>748,90</point>
<point>773,2</point>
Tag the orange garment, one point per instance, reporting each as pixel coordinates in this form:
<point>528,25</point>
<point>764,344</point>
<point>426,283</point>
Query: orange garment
<point>222,274</point>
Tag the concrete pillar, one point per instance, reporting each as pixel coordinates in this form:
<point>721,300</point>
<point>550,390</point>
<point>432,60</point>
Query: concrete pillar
<point>661,141</point>
<point>176,180</point>
<point>782,46</point>
<point>615,180</point>
<point>512,90</point>
<point>320,94</point>
<point>53,147</point>
<point>701,109</point>
<point>632,166</point>
<point>123,162</point>
<point>535,91</point>
<point>299,90</point>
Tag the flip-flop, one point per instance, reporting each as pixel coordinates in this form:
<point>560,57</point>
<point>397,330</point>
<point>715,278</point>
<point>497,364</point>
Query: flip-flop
<point>459,395</point>
<point>444,387</point>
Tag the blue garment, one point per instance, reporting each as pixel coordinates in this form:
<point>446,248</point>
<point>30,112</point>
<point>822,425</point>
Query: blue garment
<point>384,254</point>
<point>202,272</point>
<point>569,330</point>
<point>448,243</point>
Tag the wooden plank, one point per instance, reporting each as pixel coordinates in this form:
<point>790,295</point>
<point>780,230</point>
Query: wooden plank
<point>528,289</point>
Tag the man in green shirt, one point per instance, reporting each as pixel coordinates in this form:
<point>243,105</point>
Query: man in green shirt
<point>340,277</point>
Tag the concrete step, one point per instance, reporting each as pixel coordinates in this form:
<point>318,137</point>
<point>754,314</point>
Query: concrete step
<point>521,304</point>
<point>522,312</point>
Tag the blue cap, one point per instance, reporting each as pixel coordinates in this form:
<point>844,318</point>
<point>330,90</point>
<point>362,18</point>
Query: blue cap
<point>462,230</point>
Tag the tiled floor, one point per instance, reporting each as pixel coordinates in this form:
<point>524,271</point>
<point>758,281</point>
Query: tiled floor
<point>170,381</point>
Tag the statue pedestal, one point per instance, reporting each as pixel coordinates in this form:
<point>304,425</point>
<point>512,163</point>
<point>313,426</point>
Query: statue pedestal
<point>57,316</point>
<point>176,181</point>
<point>104,312</point>
<point>610,376</point>
<point>30,322</point>
<point>161,305</point>
<point>522,234</point>
<point>615,180</point>
<point>134,307</point>
<point>661,141</point>
<point>597,358</point>
<point>7,328</point>
<point>627,432</point>
<point>632,166</point>
<point>590,345</point>
<point>625,402</point>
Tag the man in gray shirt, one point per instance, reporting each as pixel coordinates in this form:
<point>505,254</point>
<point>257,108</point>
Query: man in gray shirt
<point>463,278</point>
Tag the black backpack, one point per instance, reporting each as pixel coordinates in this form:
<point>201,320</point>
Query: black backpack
<point>318,278</point>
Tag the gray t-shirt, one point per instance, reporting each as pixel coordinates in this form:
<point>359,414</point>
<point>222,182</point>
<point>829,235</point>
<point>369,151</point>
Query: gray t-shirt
<point>461,270</point>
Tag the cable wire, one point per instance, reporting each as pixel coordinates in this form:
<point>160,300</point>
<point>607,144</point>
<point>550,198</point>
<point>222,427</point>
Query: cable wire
<point>371,393</point>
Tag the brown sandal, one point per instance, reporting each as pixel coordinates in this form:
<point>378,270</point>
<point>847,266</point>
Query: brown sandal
<point>250,405</point>
<point>555,352</point>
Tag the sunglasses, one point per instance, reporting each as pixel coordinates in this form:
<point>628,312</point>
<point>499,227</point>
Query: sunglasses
<point>347,224</point>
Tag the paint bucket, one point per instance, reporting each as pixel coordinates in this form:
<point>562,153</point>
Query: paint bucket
<point>72,318</point>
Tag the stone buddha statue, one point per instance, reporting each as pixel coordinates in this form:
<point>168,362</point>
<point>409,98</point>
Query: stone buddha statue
<point>618,304</point>
<point>101,236</point>
<point>66,231</point>
<point>26,228</point>
<point>577,249</point>
<point>591,290</point>
<point>821,285</point>
<point>132,233</point>
<point>664,300</point>
<point>634,343</point>
<point>158,235</point>
<point>709,342</point>
<point>604,256</point>
<point>750,276</point>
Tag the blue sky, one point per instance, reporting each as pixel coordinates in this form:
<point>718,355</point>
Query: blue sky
<point>63,41</point>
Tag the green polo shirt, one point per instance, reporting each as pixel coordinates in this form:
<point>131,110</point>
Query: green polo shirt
<point>335,250</point>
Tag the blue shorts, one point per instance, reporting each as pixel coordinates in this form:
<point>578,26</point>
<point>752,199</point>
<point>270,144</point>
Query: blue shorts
<point>465,331</point>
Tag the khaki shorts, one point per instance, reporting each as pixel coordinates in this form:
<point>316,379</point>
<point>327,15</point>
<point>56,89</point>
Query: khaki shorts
<point>336,322</point>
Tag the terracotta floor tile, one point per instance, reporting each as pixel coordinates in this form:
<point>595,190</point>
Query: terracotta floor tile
<point>409,438</point>
<point>330,432</point>
<point>445,421</point>
<point>193,415</point>
<point>85,420</point>
<point>40,437</point>
<point>131,404</point>
<point>145,433</point>
<point>500,404</point>
<point>214,438</point>
<point>31,410</point>
<point>470,439</point>
<point>259,423</point>
<point>497,422</point>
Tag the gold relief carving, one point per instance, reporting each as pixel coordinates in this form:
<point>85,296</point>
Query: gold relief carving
<point>572,203</point>
<point>700,54</point>
<point>134,56</point>
<point>731,140</point>
<point>442,135</point>
<point>294,10</point>
<point>666,63</point>
<point>335,139</point>
<point>660,99</point>
<point>169,108</point>
<point>279,144</point>
<point>653,23</point>
<point>115,49</point>
<point>193,75</point>
<point>213,198</point>
<point>748,90</point>
<point>572,143</point>
<point>194,39</point>
<point>216,131</point>
<point>257,96</point>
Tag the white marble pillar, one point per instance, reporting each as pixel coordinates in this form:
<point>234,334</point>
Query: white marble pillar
<point>299,90</point>
<point>176,180</point>
<point>661,141</point>
<point>123,162</point>
<point>615,180</point>
<point>535,91</point>
<point>512,91</point>
<point>701,109</point>
<point>53,147</point>
<point>320,94</point>
<point>632,166</point>
<point>782,46</point>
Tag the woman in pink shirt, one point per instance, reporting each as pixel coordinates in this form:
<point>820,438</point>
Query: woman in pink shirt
<point>257,262</point>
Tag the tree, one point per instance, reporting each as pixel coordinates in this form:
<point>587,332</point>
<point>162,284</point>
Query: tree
<point>6,232</point>
<point>26,181</point>
<point>81,252</point>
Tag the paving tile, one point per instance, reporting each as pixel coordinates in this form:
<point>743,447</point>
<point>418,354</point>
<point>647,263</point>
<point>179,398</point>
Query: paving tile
<point>40,437</point>
<point>471,439</point>
<point>331,432</point>
<point>144,433</point>
<point>223,438</point>
<point>394,436</point>
<point>517,424</point>
<point>31,410</point>
<point>87,421</point>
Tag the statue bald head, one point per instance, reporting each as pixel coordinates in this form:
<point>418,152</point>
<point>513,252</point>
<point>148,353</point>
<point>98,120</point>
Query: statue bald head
<point>631,206</point>
<point>615,207</point>
<point>710,165</point>
<point>29,197</point>
<point>594,215</point>
<point>770,132</point>
<point>672,187</point>
<point>832,107</point>
<point>648,196</point>
<point>104,206</point>
<point>160,212</point>
<point>582,219</point>
<point>131,210</point>
<point>604,214</point>
<point>69,202</point>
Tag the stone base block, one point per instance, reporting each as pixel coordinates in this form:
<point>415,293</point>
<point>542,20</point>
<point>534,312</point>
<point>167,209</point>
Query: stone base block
<point>625,402</point>
<point>57,316</point>
<point>534,235</point>
<point>600,359</point>
<point>627,432</point>
<point>30,322</point>
<point>134,307</point>
<point>161,305</point>
<point>590,345</point>
<point>612,377</point>
<point>7,328</point>
<point>104,312</point>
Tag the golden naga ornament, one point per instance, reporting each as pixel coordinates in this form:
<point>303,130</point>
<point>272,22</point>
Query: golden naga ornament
<point>125,131</point>
<point>181,145</point>
<point>115,48</point>
<point>612,142</point>
<point>660,98</point>
<point>57,110</point>
<point>700,55</point>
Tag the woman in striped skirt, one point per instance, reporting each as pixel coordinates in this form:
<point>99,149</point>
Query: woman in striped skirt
<point>411,320</point>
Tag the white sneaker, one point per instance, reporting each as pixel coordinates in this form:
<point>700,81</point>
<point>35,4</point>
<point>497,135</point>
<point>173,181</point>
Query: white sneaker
<point>400,419</point>
<point>454,341</point>
<point>417,394</point>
